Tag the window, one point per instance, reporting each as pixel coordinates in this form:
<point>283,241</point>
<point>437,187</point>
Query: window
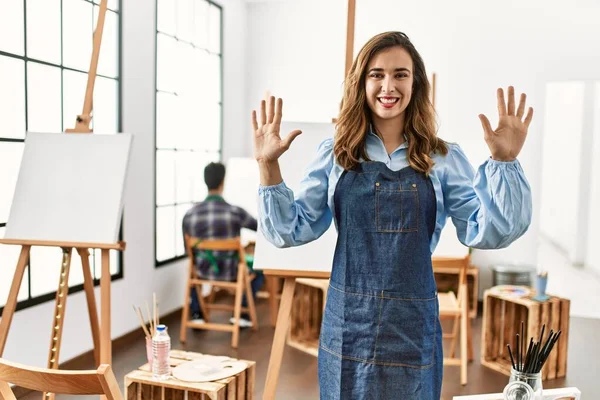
<point>189,110</point>
<point>45,51</point>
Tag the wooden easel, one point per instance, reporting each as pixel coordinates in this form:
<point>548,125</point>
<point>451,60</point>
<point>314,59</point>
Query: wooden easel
<point>100,333</point>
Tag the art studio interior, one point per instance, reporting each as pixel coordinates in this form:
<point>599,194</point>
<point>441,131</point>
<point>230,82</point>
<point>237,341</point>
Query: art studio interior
<point>299,199</point>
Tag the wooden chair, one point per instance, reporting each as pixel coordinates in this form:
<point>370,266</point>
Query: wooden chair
<point>241,286</point>
<point>456,307</point>
<point>99,382</point>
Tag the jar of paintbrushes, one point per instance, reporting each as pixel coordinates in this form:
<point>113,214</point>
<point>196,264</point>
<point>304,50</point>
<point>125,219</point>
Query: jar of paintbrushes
<point>153,321</point>
<point>525,382</point>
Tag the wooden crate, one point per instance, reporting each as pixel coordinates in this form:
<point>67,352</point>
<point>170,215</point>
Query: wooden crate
<point>139,384</point>
<point>502,316</point>
<point>447,280</point>
<point>307,314</point>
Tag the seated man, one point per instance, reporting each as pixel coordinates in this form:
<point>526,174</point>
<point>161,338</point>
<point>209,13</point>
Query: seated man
<point>214,218</point>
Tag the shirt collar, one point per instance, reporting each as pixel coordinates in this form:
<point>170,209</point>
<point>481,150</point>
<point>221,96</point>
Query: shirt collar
<point>402,146</point>
<point>214,197</point>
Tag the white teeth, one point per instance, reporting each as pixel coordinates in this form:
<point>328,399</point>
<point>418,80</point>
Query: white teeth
<point>388,101</point>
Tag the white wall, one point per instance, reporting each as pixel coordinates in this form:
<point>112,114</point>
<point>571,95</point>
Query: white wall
<point>236,118</point>
<point>473,46</point>
<point>31,327</point>
<point>593,256</point>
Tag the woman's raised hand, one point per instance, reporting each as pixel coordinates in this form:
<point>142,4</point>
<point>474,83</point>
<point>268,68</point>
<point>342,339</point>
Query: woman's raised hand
<point>506,141</point>
<point>268,144</point>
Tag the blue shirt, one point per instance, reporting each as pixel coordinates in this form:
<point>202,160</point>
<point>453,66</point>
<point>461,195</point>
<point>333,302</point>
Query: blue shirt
<point>490,208</point>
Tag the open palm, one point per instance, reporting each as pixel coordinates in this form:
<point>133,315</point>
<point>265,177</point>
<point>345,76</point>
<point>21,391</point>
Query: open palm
<point>506,141</point>
<point>268,144</point>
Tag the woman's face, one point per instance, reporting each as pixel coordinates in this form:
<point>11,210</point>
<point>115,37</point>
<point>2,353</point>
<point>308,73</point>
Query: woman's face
<point>389,83</point>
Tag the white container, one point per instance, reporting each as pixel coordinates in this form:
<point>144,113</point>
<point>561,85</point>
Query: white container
<point>161,346</point>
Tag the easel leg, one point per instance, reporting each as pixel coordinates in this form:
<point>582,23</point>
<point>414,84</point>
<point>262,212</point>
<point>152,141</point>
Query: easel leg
<point>237,309</point>
<point>273,288</point>
<point>105,339</point>
<point>59,313</point>
<point>11,302</point>
<point>250,300</point>
<point>281,330</point>
<point>88,286</point>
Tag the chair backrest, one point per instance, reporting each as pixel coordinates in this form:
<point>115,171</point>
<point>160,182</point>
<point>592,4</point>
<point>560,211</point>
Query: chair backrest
<point>234,244</point>
<point>443,264</point>
<point>92,382</point>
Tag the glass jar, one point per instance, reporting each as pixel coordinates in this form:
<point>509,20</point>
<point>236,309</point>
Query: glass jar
<point>523,386</point>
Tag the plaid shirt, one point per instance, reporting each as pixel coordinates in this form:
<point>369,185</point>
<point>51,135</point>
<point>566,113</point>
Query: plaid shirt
<point>214,218</point>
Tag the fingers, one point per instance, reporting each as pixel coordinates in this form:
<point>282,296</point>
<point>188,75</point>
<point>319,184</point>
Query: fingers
<point>263,113</point>
<point>254,123</point>
<point>290,138</point>
<point>528,117</point>
<point>271,113</point>
<point>521,109</point>
<point>278,111</point>
<point>501,104</point>
<point>511,101</point>
<point>270,116</point>
<point>485,123</point>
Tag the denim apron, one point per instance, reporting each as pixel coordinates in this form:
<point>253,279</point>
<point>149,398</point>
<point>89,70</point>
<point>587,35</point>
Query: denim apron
<point>381,336</point>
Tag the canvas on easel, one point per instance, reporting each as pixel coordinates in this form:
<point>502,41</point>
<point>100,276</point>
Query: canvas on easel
<point>69,195</point>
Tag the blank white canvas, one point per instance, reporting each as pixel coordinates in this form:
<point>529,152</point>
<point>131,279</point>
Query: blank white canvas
<point>241,189</point>
<point>70,188</point>
<point>316,255</point>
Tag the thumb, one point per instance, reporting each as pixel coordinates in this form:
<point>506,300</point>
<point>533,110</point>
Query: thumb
<point>485,123</point>
<point>290,138</point>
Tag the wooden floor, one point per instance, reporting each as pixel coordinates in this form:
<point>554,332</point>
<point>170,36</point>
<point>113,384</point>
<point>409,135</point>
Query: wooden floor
<point>298,379</point>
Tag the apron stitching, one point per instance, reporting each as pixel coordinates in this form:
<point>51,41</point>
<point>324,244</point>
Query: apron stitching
<point>380,363</point>
<point>383,296</point>
<point>376,209</point>
<point>378,326</point>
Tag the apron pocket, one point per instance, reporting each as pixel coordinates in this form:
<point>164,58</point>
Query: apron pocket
<point>396,209</point>
<point>350,324</point>
<point>406,332</point>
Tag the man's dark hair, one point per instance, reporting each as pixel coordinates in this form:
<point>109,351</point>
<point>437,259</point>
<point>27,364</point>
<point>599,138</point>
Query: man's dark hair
<point>214,174</point>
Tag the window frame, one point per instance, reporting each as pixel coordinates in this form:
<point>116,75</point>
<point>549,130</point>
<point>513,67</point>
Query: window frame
<point>176,258</point>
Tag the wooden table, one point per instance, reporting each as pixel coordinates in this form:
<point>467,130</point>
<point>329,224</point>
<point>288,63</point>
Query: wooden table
<point>502,316</point>
<point>139,384</point>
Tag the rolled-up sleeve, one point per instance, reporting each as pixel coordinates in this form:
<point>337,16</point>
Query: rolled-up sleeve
<point>491,208</point>
<point>287,220</point>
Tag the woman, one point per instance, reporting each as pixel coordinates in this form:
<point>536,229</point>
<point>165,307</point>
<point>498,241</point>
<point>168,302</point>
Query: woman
<point>390,183</point>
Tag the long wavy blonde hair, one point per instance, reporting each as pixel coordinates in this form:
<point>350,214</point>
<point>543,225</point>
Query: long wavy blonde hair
<point>420,126</point>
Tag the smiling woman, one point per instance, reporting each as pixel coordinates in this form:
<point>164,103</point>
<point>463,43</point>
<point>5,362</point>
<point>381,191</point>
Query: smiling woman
<point>390,184</point>
<point>387,74</point>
